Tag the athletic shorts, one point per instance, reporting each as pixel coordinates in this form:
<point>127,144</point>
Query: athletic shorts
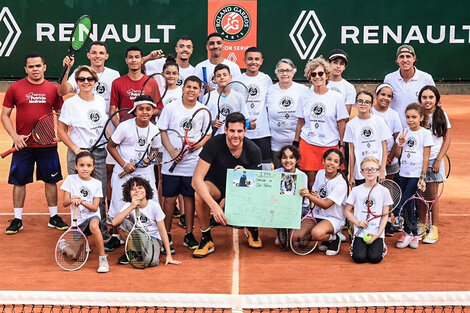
<point>311,156</point>
<point>85,225</point>
<point>47,166</point>
<point>435,177</point>
<point>172,186</point>
<point>265,146</point>
<point>336,223</point>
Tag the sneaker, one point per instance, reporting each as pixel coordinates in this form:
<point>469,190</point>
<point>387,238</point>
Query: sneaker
<point>172,250</point>
<point>112,244</point>
<point>421,231</point>
<point>253,239</point>
<point>334,246</point>
<point>65,249</point>
<point>277,242</point>
<point>404,241</point>
<point>123,259</point>
<point>341,236</point>
<point>414,242</point>
<point>205,248</point>
<point>103,264</point>
<point>182,221</point>
<point>57,222</point>
<point>190,242</point>
<point>169,239</point>
<point>176,212</point>
<point>283,238</point>
<point>323,246</point>
<point>432,236</point>
<point>385,250</point>
<point>15,226</point>
<point>389,232</point>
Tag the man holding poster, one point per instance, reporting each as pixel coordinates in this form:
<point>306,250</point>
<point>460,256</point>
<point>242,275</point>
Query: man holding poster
<point>228,151</point>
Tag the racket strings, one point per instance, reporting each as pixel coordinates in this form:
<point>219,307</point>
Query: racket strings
<point>72,250</point>
<point>45,131</point>
<point>301,239</point>
<point>139,249</point>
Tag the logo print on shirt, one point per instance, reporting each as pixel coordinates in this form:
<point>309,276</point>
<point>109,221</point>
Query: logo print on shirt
<point>366,132</point>
<point>369,203</point>
<point>94,116</point>
<point>84,192</point>
<point>143,218</point>
<point>36,97</point>
<point>226,109</point>
<point>411,142</point>
<point>253,90</point>
<point>318,110</point>
<point>132,93</point>
<point>141,141</point>
<point>322,192</point>
<point>286,102</point>
<point>100,88</point>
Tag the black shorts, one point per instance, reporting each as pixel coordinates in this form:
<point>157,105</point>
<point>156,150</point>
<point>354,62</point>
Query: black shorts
<point>264,145</point>
<point>172,186</point>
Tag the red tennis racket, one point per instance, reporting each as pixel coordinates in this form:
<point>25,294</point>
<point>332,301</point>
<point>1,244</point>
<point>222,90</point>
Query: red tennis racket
<point>196,129</point>
<point>44,132</point>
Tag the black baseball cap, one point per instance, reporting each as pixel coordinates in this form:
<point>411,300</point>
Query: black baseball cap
<point>338,53</point>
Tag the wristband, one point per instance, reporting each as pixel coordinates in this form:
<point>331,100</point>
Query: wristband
<point>247,124</point>
<point>400,145</point>
<point>124,166</point>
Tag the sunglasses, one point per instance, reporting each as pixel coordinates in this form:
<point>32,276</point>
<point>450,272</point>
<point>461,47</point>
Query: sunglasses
<point>83,79</point>
<point>314,74</point>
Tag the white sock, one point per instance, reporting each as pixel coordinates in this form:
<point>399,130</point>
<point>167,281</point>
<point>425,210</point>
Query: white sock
<point>52,210</point>
<point>266,166</point>
<point>18,212</point>
<point>332,237</point>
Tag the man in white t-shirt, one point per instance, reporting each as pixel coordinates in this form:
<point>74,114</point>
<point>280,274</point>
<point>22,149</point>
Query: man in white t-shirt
<point>205,69</point>
<point>407,81</point>
<point>338,60</point>
<point>257,83</point>
<point>153,62</point>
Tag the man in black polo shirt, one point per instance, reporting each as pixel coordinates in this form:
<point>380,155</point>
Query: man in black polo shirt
<point>228,151</point>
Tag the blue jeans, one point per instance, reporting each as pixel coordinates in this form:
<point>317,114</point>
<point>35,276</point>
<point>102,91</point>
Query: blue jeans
<point>409,186</point>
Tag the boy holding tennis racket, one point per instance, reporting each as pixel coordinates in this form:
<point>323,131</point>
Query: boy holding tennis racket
<point>33,97</point>
<point>137,192</point>
<point>83,191</point>
<point>186,116</point>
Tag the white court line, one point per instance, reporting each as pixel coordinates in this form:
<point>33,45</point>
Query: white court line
<point>453,214</point>
<point>236,263</point>
<point>26,213</point>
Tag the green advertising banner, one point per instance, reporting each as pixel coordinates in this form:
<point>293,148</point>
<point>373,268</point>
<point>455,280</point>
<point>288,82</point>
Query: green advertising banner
<point>369,31</point>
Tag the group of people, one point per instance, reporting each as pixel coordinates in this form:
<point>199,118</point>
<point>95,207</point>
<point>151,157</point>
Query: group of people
<point>400,131</point>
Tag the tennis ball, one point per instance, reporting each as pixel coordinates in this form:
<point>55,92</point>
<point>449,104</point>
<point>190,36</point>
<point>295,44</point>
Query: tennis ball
<point>367,238</point>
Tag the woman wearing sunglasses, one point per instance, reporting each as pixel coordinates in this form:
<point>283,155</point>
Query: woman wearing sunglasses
<point>322,118</point>
<point>81,123</point>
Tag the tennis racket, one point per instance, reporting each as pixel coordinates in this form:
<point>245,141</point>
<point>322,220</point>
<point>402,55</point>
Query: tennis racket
<point>154,152</point>
<point>72,249</point>
<point>139,245</point>
<point>301,242</point>
<point>44,132</point>
<point>231,99</point>
<point>148,88</point>
<point>196,129</point>
<point>427,199</point>
<point>80,33</point>
<point>106,132</point>
<point>447,165</point>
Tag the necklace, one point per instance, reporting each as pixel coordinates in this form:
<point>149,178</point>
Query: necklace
<point>139,143</point>
<point>234,152</point>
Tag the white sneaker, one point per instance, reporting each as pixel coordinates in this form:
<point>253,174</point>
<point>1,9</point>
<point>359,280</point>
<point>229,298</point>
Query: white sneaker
<point>414,243</point>
<point>104,266</point>
<point>404,241</point>
<point>432,236</point>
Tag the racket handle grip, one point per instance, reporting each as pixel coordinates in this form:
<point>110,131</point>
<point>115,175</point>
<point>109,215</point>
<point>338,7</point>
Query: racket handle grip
<point>62,74</point>
<point>122,174</point>
<point>172,168</point>
<point>204,74</point>
<point>8,152</point>
<point>214,130</point>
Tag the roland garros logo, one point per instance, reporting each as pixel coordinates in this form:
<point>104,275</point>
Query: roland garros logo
<point>233,22</point>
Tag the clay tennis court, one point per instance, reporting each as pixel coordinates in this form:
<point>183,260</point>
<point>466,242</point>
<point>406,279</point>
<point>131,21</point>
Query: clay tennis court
<point>28,263</point>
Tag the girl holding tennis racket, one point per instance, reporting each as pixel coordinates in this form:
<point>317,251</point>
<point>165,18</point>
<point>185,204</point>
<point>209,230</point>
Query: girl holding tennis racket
<point>81,122</point>
<point>137,192</point>
<point>439,125</point>
<point>328,193</point>
<point>414,145</point>
<point>171,73</point>
<point>368,200</point>
<point>127,144</point>
<point>83,191</point>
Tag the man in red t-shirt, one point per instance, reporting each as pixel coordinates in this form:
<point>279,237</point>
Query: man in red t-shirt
<point>32,97</point>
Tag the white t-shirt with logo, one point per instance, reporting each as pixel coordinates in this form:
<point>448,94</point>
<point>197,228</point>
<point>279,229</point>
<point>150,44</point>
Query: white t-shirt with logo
<point>346,89</point>
<point>198,71</point>
<point>412,154</point>
<point>394,125</point>
<point>257,88</point>
<point>86,119</point>
<point>281,105</point>
<point>102,86</point>
<point>336,190</point>
<point>438,141</point>
<point>321,114</point>
<point>149,216</point>
<point>233,102</point>
<point>176,116</point>
<point>379,198</point>
<point>367,136</point>
<point>173,94</point>
<point>87,190</point>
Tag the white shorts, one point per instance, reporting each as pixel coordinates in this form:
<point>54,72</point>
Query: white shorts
<point>337,224</point>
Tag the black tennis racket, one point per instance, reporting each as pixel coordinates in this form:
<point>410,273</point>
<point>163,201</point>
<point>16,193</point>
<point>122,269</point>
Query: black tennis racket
<point>106,132</point>
<point>80,33</point>
<point>139,247</point>
<point>196,129</point>
<point>231,99</point>
<point>44,132</point>
<point>447,165</point>
<point>148,89</point>
<point>301,242</point>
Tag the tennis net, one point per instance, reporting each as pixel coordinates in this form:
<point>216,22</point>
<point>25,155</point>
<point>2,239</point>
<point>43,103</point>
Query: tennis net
<point>112,302</point>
